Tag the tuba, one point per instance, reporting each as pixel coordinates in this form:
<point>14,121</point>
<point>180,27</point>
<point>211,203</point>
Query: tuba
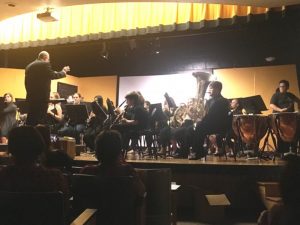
<point>195,109</point>
<point>202,84</point>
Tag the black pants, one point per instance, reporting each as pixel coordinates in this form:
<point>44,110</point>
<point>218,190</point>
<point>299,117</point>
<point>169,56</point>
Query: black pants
<point>90,135</point>
<point>200,133</point>
<point>37,112</point>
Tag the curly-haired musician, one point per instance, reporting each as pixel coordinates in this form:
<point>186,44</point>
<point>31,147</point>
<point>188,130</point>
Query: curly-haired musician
<point>135,119</point>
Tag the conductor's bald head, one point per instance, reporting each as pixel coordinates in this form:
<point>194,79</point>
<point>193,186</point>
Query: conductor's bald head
<point>44,56</point>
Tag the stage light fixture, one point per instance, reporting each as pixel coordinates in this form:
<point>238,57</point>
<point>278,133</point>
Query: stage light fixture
<point>47,16</point>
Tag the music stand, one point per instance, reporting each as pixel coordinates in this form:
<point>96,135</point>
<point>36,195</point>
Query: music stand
<point>88,106</point>
<point>253,104</point>
<point>77,113</point>
<point>156,113</point>
<point>22,105</point>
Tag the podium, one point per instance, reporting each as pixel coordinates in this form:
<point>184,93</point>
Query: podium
<point>68,145</point>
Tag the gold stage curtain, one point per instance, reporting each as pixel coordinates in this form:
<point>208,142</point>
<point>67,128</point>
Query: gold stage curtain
<point>112,20</point>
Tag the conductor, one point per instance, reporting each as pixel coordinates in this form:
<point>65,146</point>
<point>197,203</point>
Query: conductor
<point>38,76</point>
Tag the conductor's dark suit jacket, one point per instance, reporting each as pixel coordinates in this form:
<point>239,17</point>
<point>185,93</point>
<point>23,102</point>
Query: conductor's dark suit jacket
<point>38,76</point>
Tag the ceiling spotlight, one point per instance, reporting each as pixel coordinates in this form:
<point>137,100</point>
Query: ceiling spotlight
<point>104,51</point>
<point>47,16</point>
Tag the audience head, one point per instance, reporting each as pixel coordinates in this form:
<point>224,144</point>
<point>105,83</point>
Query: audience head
<point>283,86</point>
<point>44,56</point>
<point>25,144</point>
<point>290,182</point>
<point>45,133</point>
<point>8,98</point>
<point>215,88</point>
<point>108,146</point>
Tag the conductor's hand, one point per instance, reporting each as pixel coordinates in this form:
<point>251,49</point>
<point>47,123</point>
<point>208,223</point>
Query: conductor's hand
<point>66,69</point>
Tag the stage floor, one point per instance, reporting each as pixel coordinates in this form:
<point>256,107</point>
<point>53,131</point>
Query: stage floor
<point>86,158</point>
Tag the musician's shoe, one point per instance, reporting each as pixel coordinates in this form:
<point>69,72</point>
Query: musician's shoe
<point>218,154</point>
<point>130,152</point>
<point>192,156</point>
<point>230,154</point>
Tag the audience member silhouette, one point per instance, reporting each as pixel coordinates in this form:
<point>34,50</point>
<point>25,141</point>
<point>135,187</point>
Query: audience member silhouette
<point>108,152</point>
<point>53,157</point>
<point>287,212</point>
<point>25,174</point>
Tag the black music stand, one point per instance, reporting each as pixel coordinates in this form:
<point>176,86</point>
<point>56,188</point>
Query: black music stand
<point>253,104</point>
<point>56,101</point>
<point>77,113</point>
<point>156,113</point>
<point>22,105</point>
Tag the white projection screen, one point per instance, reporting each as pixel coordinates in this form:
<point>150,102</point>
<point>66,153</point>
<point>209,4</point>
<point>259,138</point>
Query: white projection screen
<point>153,87</point>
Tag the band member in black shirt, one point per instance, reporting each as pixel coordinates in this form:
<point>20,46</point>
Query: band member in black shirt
<point>96,121</point>
<point>54,114</point>
<point>215,121</point>
<point>135,119</point>
<point>283,101</point>
<point>7,117</point>
<point>73,128</point>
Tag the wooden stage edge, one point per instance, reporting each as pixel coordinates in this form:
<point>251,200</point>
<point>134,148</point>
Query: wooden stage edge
<point>210,161</point>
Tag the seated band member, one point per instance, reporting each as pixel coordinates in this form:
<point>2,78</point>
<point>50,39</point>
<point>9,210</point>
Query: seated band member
<point>71,128</point>
<point>215,120</point>
<point>7,117</point>
<point>54,114</point>
<point>283,101</point>
<point>95,122</point>
<point>182,136</point>
<point>135,119</point>
<point>235,109</point>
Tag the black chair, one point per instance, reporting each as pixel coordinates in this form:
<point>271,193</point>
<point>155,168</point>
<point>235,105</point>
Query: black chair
<point>158,200</point>
<point>45,208</point>
<point>114,197</point>
<point>38,208</point>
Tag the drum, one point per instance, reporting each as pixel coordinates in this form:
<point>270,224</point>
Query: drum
<point>250,128</point>
<point>286,125</point>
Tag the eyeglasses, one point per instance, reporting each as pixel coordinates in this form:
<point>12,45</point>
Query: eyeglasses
<point>282,86</point>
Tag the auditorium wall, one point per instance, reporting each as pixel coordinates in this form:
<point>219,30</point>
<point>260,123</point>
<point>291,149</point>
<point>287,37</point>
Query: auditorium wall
<point>243,82</point>
<point>12,80</point>
<point>237,82</point>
